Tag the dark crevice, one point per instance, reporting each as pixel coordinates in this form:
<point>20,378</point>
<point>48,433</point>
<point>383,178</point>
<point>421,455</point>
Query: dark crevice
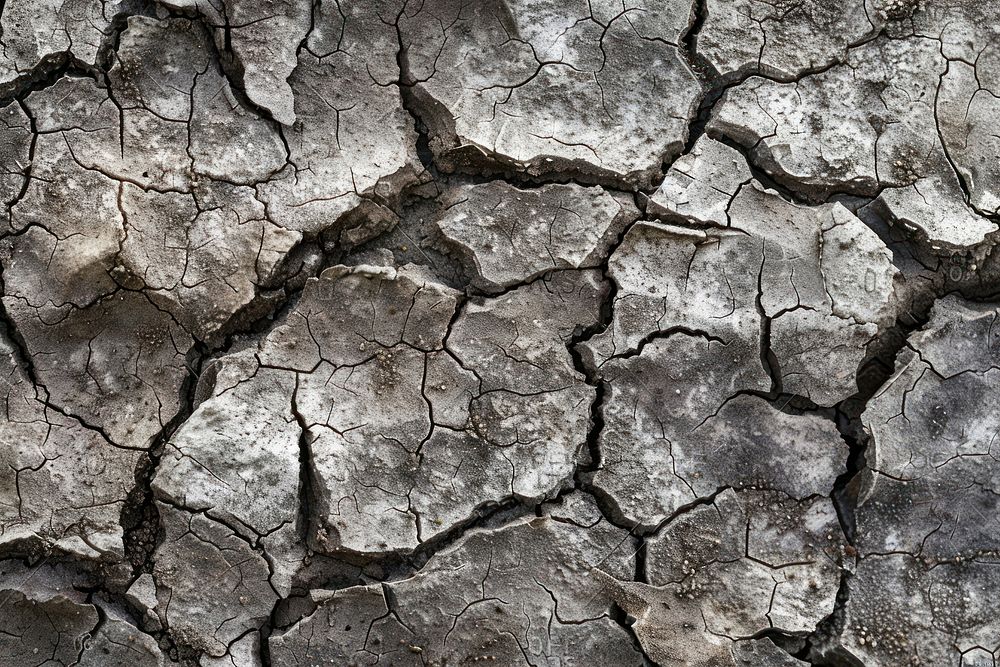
<point>224,56</point>
<point>822,647</point>
<point>365,568</point>
<point>707,74</point>
<point>140,519</point>
<point>408,98</point>
<point>584,473</point>
<point>305,469</point>
<point>49,70</point>
<point>55,66</point>
<point>305,518</point>
<point>619,616</point>
<point>663,334</point>
<point>789,191</point>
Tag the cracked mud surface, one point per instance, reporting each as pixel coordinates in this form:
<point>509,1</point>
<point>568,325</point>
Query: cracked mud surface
<point>513,332</point>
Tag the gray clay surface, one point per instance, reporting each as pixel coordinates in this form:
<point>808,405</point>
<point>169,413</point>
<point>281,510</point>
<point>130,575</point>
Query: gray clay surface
<point>439,333</point>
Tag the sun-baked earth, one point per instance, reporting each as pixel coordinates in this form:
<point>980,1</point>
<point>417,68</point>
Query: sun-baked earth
<point>499,332</point>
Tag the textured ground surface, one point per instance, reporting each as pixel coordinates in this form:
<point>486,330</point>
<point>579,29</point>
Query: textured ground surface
<point>512,332</point>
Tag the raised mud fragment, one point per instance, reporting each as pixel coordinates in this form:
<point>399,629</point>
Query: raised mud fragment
<point>513,236</point>
<point>701,184</point>
<point>352,138</point>
<point>510,437</point>
<point>65,222</point>
<point>176,109</point>
<point>237,460</point>
<point>47,621</point>
<point>201,256</point>
<point>265,39</point>
<point>118,642</point>
<point>571,92</point>
<point>719,301</point>
<point>903,612</point>
<point>177,189</point>
<point>245,651</point>
<point>920,592</point>
<point>340,632</point>
<point>729,554</point>
<point>722,562</point>
<point>673,434</point>
<point>216,583</point>
<point>415,414</point>
<point>39,34</point>
<point>966,98</point>
<point>932,441</point>
<point>43,624</point>
<point>891,122</point>
<point>458,609</point>
<point>785,279</point>
<point>15,130</point>
<point>106,207</point>
<point>766,37</point>
<point>63,485</point>
<point>118,365</point>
